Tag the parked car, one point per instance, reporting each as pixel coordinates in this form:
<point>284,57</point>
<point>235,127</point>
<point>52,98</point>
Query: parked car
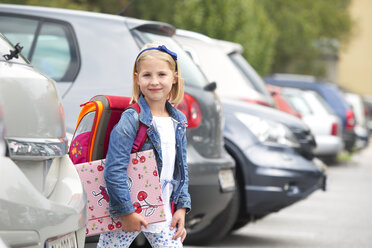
<point>361,129</point>
<point>323,122</point>
<point>43,203</point>
<point>270,173</point>
<point>234,52</point>
<point>219,68</point>
<point>204,50</point>
<point>331,94</point>
<point>99,60</point>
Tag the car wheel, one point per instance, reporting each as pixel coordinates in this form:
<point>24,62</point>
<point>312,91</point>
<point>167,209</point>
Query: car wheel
<point>219,227</point>
<point>242,218</point>
<point>240,222</point>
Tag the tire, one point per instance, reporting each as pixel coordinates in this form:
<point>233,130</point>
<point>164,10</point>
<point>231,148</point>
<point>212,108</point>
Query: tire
<point>241,222</point>
<point>219,227</point>
<point>242,218</point>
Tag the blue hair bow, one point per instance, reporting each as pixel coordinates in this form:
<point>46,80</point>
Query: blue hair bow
<point>160,48</point>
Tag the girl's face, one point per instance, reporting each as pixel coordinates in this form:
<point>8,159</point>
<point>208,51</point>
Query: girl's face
<point>155,79</point>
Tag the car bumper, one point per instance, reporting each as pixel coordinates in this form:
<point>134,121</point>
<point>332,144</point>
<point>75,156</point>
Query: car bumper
<point>362,137</point>
<point>279,181</point>
<point>327,145</point>
<point>208,198</point>
<point>349,138</point>
<point>35,217</point>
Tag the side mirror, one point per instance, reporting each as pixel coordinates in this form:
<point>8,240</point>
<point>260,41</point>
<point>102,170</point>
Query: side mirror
<point>211,86</point>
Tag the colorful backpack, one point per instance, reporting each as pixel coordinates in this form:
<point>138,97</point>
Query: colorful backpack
<point>95,122</point>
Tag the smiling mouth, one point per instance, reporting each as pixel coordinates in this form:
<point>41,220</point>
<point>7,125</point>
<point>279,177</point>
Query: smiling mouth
<point>154,89</point>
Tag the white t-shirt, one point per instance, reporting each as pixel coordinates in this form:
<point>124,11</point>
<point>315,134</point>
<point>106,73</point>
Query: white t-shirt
<point>165,128</point>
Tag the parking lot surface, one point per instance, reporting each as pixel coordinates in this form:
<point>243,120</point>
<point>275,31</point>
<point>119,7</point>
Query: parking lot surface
<point>339,217</point>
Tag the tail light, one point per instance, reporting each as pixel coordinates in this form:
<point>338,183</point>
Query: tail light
<point>256,102</point>
<point>350,120</point>
<point>191,109</point>
<point>366,111</point>
<point>334,129</point>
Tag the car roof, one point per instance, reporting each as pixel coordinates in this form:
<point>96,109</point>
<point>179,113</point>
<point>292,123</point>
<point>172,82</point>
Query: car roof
<point>51,12</point>
<point>226,46</point>
<point>294,82</point>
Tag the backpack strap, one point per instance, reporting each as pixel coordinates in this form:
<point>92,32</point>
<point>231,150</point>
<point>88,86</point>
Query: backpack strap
<point>141,137</point>
<point>141,133</point>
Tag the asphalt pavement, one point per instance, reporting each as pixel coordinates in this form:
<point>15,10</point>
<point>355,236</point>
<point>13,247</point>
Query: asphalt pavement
<point>340,217</point>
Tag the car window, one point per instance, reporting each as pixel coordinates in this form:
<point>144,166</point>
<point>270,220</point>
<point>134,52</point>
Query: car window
<point>191,74</point>
<point>52,51</point>
<point>217,66</point>
<point>255,80</point>
<point>318,101</point>
<point>299,104</point>
<point>48,45</point>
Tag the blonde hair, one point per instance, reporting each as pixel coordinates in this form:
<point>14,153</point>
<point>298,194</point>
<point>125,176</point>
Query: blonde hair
<point>176,93</point>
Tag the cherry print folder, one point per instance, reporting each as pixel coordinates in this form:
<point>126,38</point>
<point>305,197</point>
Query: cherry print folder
<point>145,192</point>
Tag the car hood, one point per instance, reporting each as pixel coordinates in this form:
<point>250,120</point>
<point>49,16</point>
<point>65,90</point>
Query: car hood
<point>265,113</point>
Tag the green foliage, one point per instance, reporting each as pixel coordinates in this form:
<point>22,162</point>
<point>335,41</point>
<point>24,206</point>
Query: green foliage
<point>307,29</point>
<point>241,21</point>
<point>277,35</point>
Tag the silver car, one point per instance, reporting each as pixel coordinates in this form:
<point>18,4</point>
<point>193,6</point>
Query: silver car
<point>42,201</point>
<point>321,119</point>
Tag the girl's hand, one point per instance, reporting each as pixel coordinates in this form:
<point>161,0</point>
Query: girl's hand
<point>179,221</point>
<point>132,222</point>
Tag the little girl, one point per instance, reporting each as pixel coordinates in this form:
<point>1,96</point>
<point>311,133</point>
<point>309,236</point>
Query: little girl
<point>157,88</point>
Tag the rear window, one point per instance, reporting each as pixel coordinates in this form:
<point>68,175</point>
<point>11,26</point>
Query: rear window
<point>299,104</point>
<point>255,80</point>
<point>322,102</point>
<point>191,74</point>
<point>49,45</point>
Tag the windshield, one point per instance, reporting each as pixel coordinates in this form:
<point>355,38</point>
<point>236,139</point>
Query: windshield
<point>191,73</point>
<point>244,67</point>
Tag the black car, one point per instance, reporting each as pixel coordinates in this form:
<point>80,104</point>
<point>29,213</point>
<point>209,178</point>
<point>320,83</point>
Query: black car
<point>270,173</point>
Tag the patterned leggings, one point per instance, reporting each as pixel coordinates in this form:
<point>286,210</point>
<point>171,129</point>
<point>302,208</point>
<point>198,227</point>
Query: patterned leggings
<point>121,239</point>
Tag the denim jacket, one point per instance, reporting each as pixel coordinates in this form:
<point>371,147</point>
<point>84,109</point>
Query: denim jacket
<point>121,140</point>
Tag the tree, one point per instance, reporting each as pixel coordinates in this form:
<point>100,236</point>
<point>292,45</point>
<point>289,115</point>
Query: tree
<point>307,29</point>
<point>241,21</point>
<point>277,35</point>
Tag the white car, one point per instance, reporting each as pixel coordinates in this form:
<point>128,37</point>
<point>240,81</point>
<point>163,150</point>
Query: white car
<point>42,201</point>
<point>323,122</point>
<point>212,58</point>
